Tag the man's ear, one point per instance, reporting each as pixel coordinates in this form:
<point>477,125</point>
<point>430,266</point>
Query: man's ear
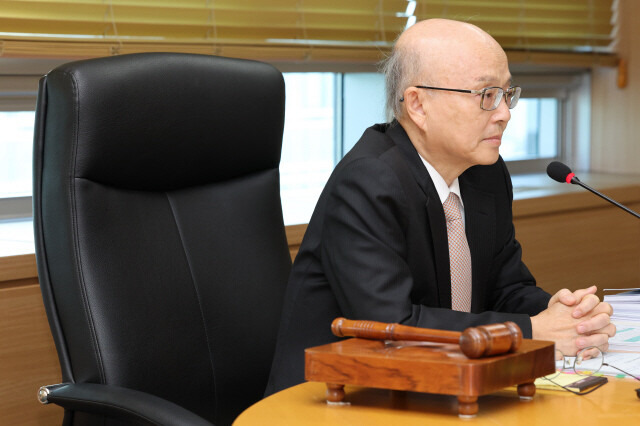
<point>414,107</point>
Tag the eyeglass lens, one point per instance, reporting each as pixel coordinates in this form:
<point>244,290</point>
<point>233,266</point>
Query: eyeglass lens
<point>587,361</point>
<point>493,95</point>
<point>491,98</point>
<point>513,95</point>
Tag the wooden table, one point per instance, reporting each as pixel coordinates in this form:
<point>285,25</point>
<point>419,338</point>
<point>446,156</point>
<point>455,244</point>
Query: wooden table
<point>613,404</point>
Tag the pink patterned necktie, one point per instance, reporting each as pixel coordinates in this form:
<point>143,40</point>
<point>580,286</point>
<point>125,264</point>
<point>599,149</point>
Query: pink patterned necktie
<point>459,256</point>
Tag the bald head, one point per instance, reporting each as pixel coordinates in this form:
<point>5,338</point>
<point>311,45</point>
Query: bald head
<point>438,52</point>
<point>433,32</point>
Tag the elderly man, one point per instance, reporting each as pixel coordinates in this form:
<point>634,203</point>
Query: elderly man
<point>415,223</point>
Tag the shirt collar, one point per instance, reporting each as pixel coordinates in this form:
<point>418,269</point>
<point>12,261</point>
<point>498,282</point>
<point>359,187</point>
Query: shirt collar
<point>441,186</point>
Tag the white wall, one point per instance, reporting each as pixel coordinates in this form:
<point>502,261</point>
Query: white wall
<point>615,126</point>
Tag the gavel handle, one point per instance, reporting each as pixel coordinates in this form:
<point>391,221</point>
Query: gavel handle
<point>343,327</point>
<point>475,342</point>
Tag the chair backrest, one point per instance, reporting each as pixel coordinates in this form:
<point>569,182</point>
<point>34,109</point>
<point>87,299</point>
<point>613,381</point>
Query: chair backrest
<point>160,241</point>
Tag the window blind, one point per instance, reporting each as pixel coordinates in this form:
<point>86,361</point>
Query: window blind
<point>298,30</point>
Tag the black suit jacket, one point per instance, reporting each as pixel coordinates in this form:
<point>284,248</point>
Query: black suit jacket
<point>376,249</point>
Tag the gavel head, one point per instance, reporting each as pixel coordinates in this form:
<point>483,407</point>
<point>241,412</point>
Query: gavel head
<point>492,339</point>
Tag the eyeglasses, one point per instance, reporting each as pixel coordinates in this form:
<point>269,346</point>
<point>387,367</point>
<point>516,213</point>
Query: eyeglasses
<point>491,96</point>
<point>587,362</point>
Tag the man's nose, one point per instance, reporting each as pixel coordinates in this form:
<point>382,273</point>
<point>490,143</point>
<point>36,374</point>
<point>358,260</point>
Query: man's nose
<point>502,112</point>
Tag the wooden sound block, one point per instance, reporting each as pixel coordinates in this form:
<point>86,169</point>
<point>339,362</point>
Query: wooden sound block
<point>427,367</point>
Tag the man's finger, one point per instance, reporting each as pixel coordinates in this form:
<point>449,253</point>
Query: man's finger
<point>604,307</point>
<point>564,296</point>
<point>582,292</point>
<point>609,329</point>
<point>569,298</point>
<point>586,305</point>
<point>598,324</point>
<point>600,340</point>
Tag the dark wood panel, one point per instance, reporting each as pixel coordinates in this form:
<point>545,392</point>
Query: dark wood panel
<point>13,268</point>
<point>295,233</point>
<point>581,248</point>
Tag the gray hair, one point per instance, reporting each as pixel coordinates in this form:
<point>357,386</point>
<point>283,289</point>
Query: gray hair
<point>400,69</point>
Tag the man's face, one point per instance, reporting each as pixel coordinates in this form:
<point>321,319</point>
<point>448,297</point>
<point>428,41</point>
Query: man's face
<point>458,131</point>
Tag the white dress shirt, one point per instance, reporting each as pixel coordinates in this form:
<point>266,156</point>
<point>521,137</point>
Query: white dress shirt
<point>442,188</point>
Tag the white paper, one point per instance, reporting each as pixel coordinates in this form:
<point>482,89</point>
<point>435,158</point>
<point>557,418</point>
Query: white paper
<point>627,361</point>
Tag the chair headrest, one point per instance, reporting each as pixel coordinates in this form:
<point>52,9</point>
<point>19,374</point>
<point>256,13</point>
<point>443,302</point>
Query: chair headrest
<point>162,121</point>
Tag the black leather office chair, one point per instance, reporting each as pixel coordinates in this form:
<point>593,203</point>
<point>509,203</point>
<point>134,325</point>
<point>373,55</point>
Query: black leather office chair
<point>160,242</point>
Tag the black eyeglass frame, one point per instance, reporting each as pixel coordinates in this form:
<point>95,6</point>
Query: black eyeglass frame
<point>580,393</point>
<point>599,385</point>
<point>516,90</point>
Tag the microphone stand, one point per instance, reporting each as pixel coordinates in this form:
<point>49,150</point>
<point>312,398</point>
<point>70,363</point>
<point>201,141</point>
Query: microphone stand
<point>576,181</point>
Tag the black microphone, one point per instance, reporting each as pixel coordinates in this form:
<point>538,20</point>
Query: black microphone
<point>562,173</point>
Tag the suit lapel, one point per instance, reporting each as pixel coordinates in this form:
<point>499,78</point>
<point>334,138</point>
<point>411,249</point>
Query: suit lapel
<point>480,219</point>
<point>434,210</point>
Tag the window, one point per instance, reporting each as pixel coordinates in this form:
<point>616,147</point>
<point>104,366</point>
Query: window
<point>550,122</point>
<point>308,148</point>
<point>532,131</point>
<point>363,105</point>
<point>326,113</point>
<point>16,142</point>
<point>17,105</point>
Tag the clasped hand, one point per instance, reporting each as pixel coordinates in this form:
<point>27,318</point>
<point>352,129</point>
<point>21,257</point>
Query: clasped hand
<point>575,320</point>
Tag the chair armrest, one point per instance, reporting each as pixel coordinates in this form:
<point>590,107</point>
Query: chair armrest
<point>118,402</point>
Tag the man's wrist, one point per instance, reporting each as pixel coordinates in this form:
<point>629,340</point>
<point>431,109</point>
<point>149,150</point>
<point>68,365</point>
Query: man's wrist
<point>535,327</point>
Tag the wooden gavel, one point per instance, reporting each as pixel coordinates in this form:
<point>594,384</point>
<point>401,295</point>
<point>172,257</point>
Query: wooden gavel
<point>475,342</point>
